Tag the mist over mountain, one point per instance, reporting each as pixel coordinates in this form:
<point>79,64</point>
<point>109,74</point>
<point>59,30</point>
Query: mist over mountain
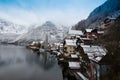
<point>9,30</point>
<point>48,25</point>
<point>12,28</point>
<point>111,9</point>
<point>39,33</point>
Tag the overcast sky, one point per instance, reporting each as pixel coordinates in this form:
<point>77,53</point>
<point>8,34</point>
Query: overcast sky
<point>62,12</point>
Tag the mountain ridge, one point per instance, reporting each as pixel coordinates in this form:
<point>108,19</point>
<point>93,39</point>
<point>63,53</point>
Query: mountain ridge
<point>39,33</point>
<point>99,14</point>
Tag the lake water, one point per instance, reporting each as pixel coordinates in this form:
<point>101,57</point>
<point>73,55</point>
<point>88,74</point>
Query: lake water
<point>19,63</point>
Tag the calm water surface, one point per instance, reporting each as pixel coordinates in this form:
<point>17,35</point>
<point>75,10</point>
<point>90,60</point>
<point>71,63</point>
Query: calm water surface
<point>19,63</point>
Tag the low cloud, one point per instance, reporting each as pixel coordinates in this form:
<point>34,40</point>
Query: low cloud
<point>28,17</point>
<point>27,12</point>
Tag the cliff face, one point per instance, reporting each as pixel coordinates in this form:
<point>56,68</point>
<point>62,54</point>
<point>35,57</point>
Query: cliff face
<point>110,8</point>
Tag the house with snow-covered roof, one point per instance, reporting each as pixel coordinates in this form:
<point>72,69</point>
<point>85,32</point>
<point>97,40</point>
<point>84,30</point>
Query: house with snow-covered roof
<point>69,46</point>
<point>96,54</point>
<point>74,33</point>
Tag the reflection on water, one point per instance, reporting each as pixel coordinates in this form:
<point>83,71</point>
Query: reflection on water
<point>10,55</point>
<point>19,63</point>
<point>44,60</point>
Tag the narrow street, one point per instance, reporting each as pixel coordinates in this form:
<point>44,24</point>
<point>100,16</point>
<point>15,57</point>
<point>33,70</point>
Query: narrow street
<point>19,63</point>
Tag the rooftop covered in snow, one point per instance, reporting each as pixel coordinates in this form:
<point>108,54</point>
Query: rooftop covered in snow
<point>95,53</point>
<point>81,76</point>
<point>88,30</point>
<point>75,32</point>
<point>74,56</point>
<point>74,65</point>
<point>70,42</point>
<point>100,32</point>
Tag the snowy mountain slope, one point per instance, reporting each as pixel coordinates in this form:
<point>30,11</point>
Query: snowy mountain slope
<point>48,25</point>
<point>39,33</point>
<point>114,15</point>
<point>10,31</point>
<point>110,8</point>
<point>9,27</point>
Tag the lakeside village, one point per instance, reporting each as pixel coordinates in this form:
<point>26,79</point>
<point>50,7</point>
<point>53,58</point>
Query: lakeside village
<point>78,55</point>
